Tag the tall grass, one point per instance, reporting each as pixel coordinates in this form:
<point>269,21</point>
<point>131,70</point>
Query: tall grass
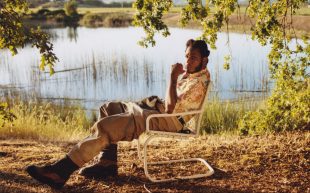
<point>53,122</point>
<point>223,116</point>
<point>46,121</point>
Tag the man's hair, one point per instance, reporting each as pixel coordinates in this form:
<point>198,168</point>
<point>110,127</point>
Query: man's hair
<point>199,44</point>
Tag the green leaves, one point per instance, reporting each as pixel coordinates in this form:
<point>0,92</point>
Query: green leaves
<point>5,114</point>
<point>149,17</point>
<point>287,108</point>
<point>193,11</point>
<point>71,8</point>
<point>13,34</point>
<point>227,61</point>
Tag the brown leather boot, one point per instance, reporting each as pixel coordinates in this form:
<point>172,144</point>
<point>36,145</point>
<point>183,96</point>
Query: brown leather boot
<point>54,175</point>
<point>105,166</point>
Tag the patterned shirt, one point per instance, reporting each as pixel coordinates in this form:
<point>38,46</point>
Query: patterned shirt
<point>191,90</point>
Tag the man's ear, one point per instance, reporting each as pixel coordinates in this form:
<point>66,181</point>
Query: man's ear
<point>205,61</point>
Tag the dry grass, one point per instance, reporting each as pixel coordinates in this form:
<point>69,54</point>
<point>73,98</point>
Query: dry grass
<point>223,116</point>
<point>46,121</point>
<point>37,120</point>
<point>270,163</point>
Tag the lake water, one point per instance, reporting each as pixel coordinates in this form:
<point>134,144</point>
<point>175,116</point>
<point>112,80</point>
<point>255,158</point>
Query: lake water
<point>102,64</point>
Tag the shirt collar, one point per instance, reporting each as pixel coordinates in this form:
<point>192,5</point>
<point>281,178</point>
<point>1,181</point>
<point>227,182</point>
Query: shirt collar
<point>196,74</point>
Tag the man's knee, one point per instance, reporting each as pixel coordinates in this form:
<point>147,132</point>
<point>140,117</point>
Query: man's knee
<point>110,108</point>
<point>115,127</point>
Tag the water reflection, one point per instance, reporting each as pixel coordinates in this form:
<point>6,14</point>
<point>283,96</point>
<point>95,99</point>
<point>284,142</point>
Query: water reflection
<point>103,64</point>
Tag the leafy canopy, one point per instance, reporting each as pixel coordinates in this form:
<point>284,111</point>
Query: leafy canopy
<point>14,34</point>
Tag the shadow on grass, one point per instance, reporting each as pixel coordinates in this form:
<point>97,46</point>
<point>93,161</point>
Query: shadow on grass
<point>137,182</point>
<point>15,183</point>
<point>197,185</point>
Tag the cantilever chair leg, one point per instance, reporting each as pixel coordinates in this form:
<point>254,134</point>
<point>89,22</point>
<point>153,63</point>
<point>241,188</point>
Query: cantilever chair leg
<point>140,156</point>
<point>149,139</point>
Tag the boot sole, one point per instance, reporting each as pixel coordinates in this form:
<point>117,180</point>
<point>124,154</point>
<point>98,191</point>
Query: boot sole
<point>31,170</point>
<point>98,173</point>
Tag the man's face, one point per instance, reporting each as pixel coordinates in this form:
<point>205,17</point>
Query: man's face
<point>193,60</point>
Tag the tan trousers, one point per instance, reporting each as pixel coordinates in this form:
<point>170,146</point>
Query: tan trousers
<point>118,121</point>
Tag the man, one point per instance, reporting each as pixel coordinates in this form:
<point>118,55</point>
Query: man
<point>120,121</point>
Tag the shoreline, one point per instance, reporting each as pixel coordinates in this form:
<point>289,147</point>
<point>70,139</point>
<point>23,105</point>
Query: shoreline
<point>117,17</point>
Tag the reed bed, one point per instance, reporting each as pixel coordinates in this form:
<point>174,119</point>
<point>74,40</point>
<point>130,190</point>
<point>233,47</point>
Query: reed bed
<point>47,122</point>
<point>223,116</point>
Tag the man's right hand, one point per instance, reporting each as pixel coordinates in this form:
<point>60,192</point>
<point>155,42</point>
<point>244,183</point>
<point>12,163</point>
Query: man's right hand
<point>176,70</point>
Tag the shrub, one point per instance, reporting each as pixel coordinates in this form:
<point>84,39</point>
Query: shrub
<point>71,8</point>
<point>221,117</point>
<point>5,114</point>
<point>106,19</point>
<point>287,108</point>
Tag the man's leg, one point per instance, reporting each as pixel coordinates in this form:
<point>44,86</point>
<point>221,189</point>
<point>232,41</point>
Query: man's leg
<point>106,131</point>
<point>56,175</point>
<point>106,164</point>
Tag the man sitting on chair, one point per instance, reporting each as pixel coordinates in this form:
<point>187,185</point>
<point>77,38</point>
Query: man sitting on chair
<point>125,121</point>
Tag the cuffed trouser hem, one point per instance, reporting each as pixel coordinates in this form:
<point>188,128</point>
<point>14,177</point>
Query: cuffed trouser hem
<point>88,148</point>
<point>76,159</point>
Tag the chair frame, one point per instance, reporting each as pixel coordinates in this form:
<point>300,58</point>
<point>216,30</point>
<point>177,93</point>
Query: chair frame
<point>152,134</point>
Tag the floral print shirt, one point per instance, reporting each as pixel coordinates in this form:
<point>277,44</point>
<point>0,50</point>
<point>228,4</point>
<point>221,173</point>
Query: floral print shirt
<point>191,90</point>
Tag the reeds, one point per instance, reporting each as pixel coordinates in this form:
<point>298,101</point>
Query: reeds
<point>66,122</point>
<point>46,121</point>
<point>223,116</point>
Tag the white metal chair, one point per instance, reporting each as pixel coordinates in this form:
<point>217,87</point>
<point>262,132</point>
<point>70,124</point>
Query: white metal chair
<point>151,134</point>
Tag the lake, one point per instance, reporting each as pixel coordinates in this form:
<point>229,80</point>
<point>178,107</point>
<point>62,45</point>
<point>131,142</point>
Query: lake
<point>102,64</point>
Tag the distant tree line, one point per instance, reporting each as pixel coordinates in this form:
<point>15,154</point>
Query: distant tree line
<point>81,3</point>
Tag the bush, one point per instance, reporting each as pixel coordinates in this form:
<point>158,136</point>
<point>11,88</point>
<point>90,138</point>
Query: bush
<point>287,108</point>
<point>71,8</point>
<point>106,19</point>
<point>221,117</point>
<point>5,114</point>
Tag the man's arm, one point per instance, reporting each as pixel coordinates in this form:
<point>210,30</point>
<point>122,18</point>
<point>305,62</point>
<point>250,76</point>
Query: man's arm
<point>171,94</point>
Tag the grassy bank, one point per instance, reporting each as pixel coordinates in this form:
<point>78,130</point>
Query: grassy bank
<point>222,117</point>
<point>113,19</point>
<point>52,122</point>
<point>237,23</point>
<point>46,121</point>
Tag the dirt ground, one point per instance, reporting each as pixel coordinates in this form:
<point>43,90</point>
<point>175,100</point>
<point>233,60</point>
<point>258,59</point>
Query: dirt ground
<point>269,163</point>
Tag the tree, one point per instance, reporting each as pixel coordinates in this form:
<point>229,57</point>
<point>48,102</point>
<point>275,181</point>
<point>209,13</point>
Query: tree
<point>14,35</point>
<point>71,8</point>
<point>288,107</point>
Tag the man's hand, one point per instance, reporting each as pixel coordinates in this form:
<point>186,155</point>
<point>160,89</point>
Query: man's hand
<point>171,96</point>
<point>176,70</point>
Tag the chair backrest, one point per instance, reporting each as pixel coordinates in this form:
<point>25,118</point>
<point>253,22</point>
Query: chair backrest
<point>199,119</point>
